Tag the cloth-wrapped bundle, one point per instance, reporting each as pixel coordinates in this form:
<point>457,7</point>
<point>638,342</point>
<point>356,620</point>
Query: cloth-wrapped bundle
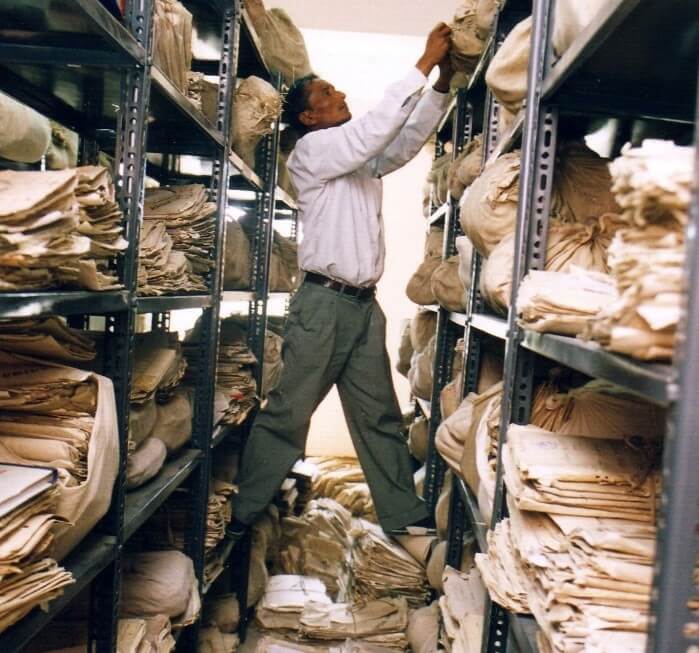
<point>418,436</point>
<point>63,149</point>
<point>447,287</point>
<point>466,167</point>
<point>172,41</point>
<point>236,271</point>
<point>486,11</point>
<point>421,370</point>
<point>467,43</point>
<point>283,45</point>
<point>145,463</point>
<point>438,178</point>
<point>405,350</point>
<point>419,289</point>
<point>506,76</point>
<point>422,327</point>
<point>257,104</point>
<point>25,135</point>
<point>284,275</point>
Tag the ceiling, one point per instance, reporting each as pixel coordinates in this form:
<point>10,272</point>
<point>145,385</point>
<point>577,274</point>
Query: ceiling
<point>409,17</point>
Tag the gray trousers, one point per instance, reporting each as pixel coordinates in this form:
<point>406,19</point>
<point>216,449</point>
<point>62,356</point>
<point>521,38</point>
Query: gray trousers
<point>332,339</point>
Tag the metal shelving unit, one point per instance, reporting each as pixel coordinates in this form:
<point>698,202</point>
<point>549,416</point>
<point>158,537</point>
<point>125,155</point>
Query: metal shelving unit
<point>109,91</point>
<point>597,76</point>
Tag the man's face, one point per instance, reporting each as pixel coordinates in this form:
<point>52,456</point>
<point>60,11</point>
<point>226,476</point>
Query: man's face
<point>326,106</point>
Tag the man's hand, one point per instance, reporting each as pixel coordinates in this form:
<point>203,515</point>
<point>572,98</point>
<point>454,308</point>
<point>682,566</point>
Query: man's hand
<point>436,49</point>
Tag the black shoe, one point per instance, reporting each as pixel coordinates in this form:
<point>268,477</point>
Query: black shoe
<point>423,527</point>
<point>236,531</point>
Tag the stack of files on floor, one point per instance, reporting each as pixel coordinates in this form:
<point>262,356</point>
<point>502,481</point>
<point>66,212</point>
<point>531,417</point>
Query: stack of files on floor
<point>318,544</point>
<point>151,635</point>
<point>342,479</point>
<point>383,568</point>
<point>462,607</point>
<point>578,548</point>
<point>176,240</point>
<point>653,185</point>
<point>29,576</point>
<point>59,229</point>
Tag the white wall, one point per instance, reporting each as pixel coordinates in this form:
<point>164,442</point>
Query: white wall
<point>362,65</point>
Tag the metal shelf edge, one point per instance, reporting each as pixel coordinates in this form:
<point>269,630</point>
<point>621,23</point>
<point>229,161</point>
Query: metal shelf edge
<point>490,324</point>
<point>245,171</point>
<point>425,407</point>
<point>508,138</point>
<point>458,318</point>
<point>143,502</point>
<point>166,303</point>
<point>31,304</point>
<point>282,197</point>
<point>473,514</point>
<point>439,214</point>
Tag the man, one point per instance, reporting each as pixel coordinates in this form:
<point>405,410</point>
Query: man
<point>335,332</point>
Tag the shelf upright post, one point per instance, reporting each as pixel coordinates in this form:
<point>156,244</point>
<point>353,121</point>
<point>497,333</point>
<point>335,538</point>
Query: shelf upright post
<point>203,422</point>
<point>674,626</point>
<point>130,173</point>
<point>531,237</point>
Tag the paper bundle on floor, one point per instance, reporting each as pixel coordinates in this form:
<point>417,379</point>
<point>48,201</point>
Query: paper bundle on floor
<point>212,640</point>
<point>383,568</point>
<point>29,576</point>
<point>462,608</point>
<point>59,228</point>
<point>567,480</point>
<point>284,600</point>
<point>342,479</point>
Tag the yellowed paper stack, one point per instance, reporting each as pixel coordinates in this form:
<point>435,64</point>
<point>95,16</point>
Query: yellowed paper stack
<point>151,635</point>
<point>653,185</point>
<point>172,41</point>
<point>342,479</point>
<point>59,229</point>
<point>176,240</point>
<point>383,568</point>
<point>461,608</point>
<point>29,576</point>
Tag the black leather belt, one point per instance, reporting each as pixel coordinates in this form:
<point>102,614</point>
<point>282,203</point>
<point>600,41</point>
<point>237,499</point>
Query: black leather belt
<point>342,288</point>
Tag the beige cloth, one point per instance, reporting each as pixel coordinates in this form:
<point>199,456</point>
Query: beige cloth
<point>506,76</point>
<point>447,286</point>
<point>466,168</point>
<point>256,106</point>
<point>418,436</point>
<point>223,612</point>
<point>236,271</point>
<point>145,463</point>
<point>441,511</point>
<point>486,11</point>
<point>405,350</point>
<point>284,274</point>
<point>422,328</point>
<point>212,640</point>
<point>25,134</point>
<point>450,397</point>
<point>63,149</point>
<point>47,338</point>
<point>423,629</point>
<point>173,426</point>
<point>438,179</point>
<point>467,43</point>
<point>421,371</point>
<point>172,41</point>
<point>141,421</point>
<point>283,45</point>
<point>419,289</point>
<point>570,19</point>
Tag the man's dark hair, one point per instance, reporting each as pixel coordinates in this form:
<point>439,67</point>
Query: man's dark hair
<point>296,102</point>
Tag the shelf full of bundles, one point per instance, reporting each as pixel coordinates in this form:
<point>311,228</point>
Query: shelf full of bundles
<point>96,258</point>
<point>569,444</point>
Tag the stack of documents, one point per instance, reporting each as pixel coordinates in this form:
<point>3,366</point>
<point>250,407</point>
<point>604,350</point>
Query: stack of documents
<point>176,240</point>
<point>383,568</point>
<point>59,229</point>
<point>462,607</point>
<point>28,575</point>
<point>342,479</point>
<point>48,338</point>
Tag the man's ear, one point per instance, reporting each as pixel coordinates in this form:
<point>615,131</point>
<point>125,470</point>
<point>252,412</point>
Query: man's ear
<point>306,118</point>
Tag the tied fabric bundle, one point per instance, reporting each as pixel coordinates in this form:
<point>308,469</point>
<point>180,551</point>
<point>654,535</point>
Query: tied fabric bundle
<point>176,241</point>
<point>59,229</point>
<point>467,41</point>
<point>419,289</point>
<point>256,106</point>
<point>172,41</point>
<point>652,184</point>
<point>466,167</point>
<point>283,45</point>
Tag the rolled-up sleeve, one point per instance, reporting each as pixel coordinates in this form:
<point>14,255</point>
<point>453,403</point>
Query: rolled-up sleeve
<point>330,153</point>
<point>412,137</point>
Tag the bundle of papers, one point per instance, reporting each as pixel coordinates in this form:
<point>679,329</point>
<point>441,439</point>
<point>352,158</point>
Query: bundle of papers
<point>152,635</point>
<point>48,338</point>
<point>212,640</point>
<point>172,41</point>
<point>381,621</point>
<point>28,576</point>
<point>176,240</point>
<point>342,479</point>
<point>318,543</point>
<point>563,302</point>
<point>383,568</point>
<point>590,477</point>
<point>59,229</point>
<point>653,186</point>
<point>284,601</point>
<point>462,607</point>
<point>159,367</point>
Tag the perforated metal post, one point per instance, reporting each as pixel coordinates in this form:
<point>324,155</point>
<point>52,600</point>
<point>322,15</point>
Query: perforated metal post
<point>675,627</point>
<point>119,335</point>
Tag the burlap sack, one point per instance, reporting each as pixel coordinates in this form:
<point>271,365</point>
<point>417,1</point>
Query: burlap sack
<point>486,473</point>
<point>441,510</point>
<point>63,149</point>
<point>142,420</point>
<point>145,463</point>
<point>418,439</point>
<point>486,11</point>
<point>419,289</point>
<point>471,163</point>
<point>489,208</point>
<point>465,253</point>
<point>284,273</point>
<point>24,134</point>
<point>456,188</point>
<point>423,629</point>
<point>570,18</point>
<point>85,504</point>
<point>156,582</point>
<point>174,423</point>
<point>466,43</point>
<point>450,397</point>
<point>435,566</point>
<point>283,45</point>
<point>584,184</point>
<point>506,76</point>
<point>236,272</point>
<point>256,106</point>
<point>422,328</point>
<point>447,287</point>
<point>223,612</point>
<point>438,178</point>
<point>421,370</point>
<point>405,350</point>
